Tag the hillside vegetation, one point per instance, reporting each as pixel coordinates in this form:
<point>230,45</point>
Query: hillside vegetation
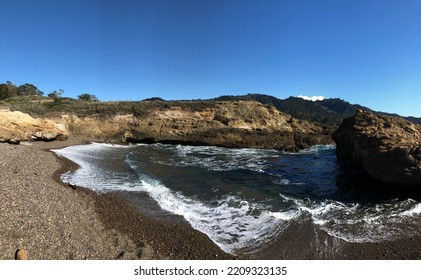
<point>29,99</point>
<point>40,106</point>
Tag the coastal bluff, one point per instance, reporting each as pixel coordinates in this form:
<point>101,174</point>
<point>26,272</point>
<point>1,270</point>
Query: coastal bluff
<point>16,127</point>
<point>388,148</point>
<point>233,124</point>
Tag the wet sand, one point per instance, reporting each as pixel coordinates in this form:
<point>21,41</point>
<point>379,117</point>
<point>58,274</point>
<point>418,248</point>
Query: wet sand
<point>52,220</point>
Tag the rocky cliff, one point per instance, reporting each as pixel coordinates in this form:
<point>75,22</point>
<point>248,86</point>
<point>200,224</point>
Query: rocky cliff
<point>227,124</point>
<point>388,148</point>
<point>17,126</point>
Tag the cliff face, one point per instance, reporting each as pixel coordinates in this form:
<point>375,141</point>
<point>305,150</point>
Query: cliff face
<point>17,126</point>
<point>388,148</point>
<point>228,124</point>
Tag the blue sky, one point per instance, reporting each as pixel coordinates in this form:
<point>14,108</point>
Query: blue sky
<point>364,51</point>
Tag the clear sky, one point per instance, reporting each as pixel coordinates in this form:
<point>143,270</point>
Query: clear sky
<point>364,51</point>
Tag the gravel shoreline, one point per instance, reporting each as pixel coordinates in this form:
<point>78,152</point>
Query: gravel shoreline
<point>54,221</point>
<point>49,220</point>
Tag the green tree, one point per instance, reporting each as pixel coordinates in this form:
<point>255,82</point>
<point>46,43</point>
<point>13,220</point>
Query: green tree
<point>8,90</point>
<point>3,91</point>
<point>29,89</point>
<point>88,97</point>
<point>56,94</point>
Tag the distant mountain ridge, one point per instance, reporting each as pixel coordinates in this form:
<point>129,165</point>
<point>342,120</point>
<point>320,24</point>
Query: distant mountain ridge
<point>327,112</point>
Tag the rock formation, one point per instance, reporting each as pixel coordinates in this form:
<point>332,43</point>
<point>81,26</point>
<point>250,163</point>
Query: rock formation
<point>227,124</point>
<point>388,148</point>
<point>21,255</point>
<point>223,123</point>
<point>17,126</point>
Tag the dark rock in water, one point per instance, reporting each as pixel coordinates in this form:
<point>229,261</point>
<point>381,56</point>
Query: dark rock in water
<point>388,148</point>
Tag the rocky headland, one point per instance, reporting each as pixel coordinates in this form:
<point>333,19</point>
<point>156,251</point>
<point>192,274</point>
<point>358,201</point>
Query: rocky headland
<point>388,148</point>
<point>221,123</point>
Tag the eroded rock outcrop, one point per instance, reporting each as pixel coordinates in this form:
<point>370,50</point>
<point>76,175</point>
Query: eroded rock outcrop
<point>228,124</point>
<point>17,126</point>
<point>222,123</point>
<point>388,148</point>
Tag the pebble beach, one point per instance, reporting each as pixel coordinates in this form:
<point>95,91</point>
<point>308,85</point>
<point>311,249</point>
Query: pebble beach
<point>54,221</point>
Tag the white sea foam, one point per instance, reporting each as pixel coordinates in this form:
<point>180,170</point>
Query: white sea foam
<point>282,181</point>
<point>224,159</point>
<point>356,223</point>
<point>112,145</point>
<point>90,173</point>
<point>285,215</point>
<point>318,148</point>
<point>416,210</point>
<point>232,223</point>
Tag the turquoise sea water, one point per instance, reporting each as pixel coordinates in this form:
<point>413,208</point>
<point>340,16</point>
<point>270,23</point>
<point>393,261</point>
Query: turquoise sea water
<point>244,198</point>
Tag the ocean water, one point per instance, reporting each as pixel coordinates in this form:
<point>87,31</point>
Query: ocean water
<point>244,198</point>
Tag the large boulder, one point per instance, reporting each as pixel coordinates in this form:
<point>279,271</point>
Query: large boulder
<point>388,148</point>
<point>17,126</point>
